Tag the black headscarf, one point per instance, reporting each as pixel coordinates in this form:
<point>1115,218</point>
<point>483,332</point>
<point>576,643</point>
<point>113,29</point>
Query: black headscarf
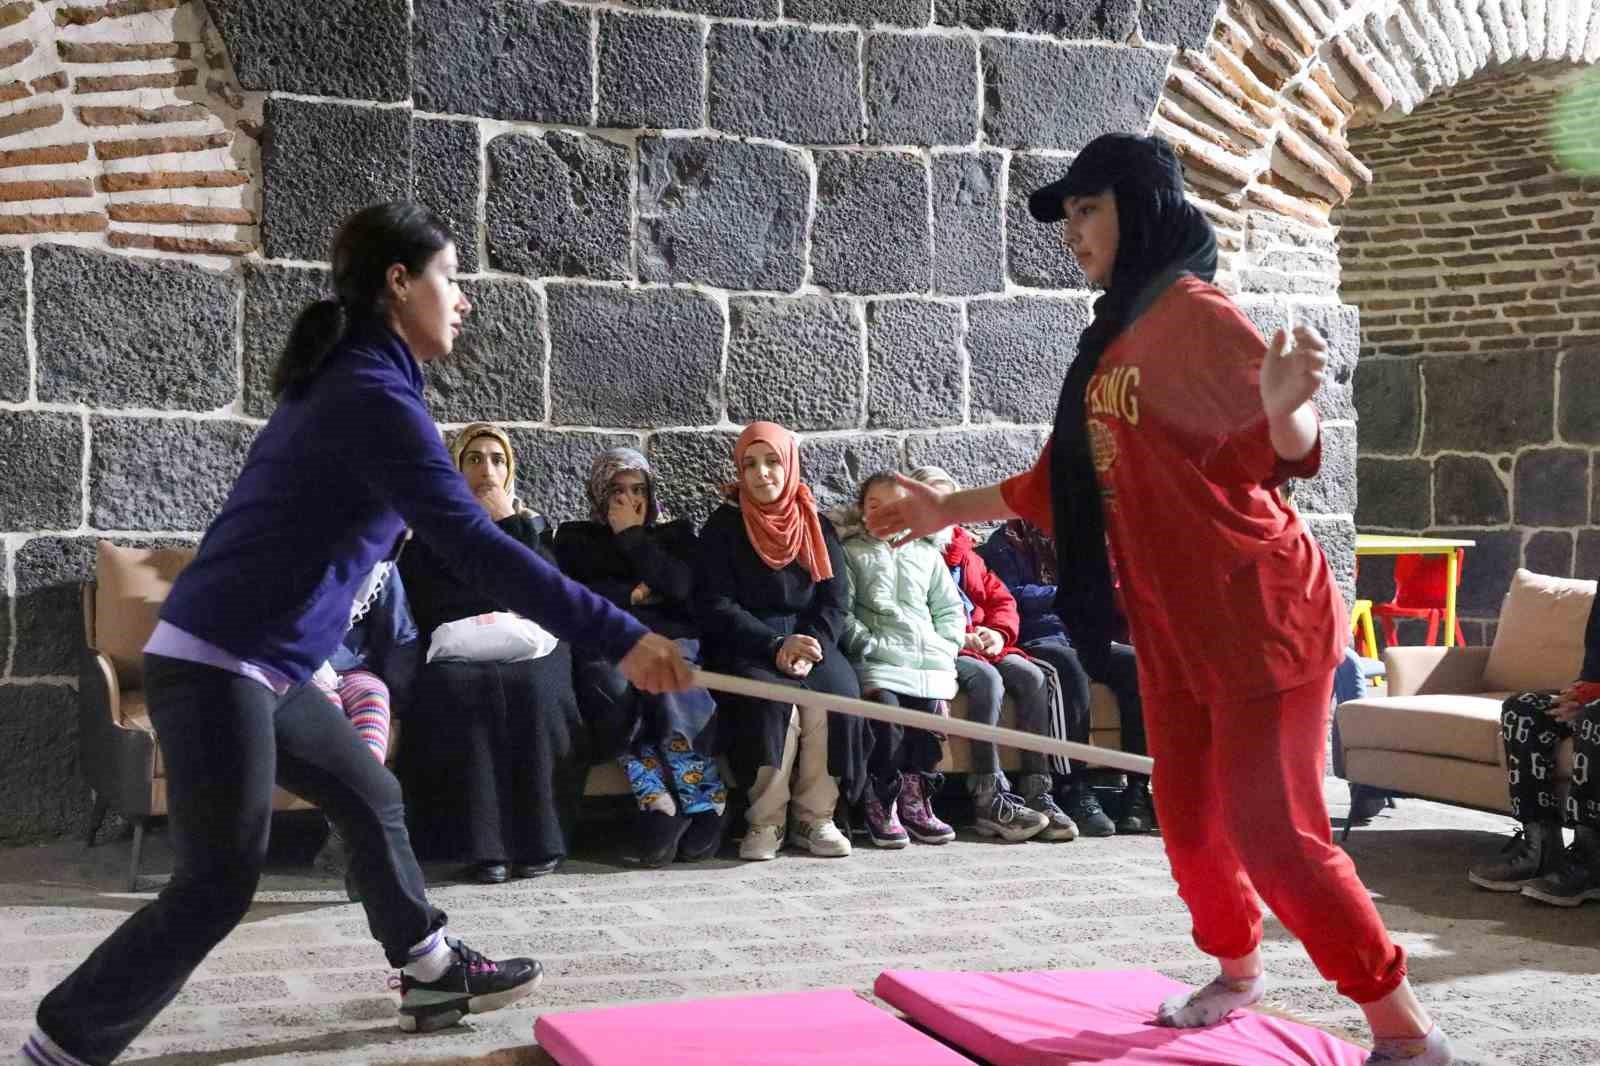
<point>1160,238</point>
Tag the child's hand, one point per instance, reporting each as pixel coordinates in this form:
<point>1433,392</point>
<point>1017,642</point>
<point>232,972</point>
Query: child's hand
<point>991,641</point>
<point>1585,692</point>
<point>1571,701</point>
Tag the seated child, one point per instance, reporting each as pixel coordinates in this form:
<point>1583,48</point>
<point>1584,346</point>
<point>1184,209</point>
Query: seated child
<point>903,631</point>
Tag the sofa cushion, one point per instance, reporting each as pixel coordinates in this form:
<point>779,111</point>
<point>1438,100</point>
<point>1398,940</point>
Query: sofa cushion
<point>130,586</point>
<point>1459,727</point>
<point>1539,642</point>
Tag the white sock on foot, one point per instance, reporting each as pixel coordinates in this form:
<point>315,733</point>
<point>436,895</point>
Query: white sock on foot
<point>430,958</point>
<point>40,1050</point>
<point>1211,1003</point>
<point>1430,1050</point>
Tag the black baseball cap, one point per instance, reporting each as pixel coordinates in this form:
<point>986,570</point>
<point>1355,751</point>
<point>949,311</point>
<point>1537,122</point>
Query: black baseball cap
<point>1103,162</point>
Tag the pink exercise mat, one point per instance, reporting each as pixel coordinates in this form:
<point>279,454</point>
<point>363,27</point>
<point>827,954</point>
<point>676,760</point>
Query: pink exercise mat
<point>830,1027</point>
<point>1099,1016</point>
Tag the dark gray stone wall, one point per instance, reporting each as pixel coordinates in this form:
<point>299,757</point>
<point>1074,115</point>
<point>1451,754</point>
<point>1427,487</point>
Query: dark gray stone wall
<point>671,219</point>
<point>1478,381</point>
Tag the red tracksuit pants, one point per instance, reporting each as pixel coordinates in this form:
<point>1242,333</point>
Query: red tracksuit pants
<point>1238,791</point>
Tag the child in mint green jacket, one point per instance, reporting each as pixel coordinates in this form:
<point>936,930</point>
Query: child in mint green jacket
<point>903,633</point>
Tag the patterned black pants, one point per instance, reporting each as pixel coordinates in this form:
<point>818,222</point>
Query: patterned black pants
<point>1532,735</point>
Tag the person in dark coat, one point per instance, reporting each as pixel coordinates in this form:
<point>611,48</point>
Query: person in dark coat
<point>770,595</point>
<point>1024,557</point>
<point>628,553</point>
<point>494,755</point>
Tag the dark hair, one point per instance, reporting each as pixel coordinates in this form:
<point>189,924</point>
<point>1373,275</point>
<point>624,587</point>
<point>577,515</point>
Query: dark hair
<point>368,244</point>
<point>882,477</point>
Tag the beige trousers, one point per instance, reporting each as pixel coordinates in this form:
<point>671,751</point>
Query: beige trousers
<point>812,794</point>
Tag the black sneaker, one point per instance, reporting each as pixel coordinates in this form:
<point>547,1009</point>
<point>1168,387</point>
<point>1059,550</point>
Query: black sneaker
<point>1138,813</point>
<point>1533,852</point>
<point>472,985</point>
<point>1576,878</point>
<point>1084,809</point>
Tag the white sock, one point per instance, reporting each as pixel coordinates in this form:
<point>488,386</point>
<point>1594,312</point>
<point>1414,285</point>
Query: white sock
<point>430,958</point>
<point>1430,1050</point>
<point>40,1050</point>
<point>1210,1003</point>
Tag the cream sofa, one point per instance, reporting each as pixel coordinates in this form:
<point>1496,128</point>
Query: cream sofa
<point>1436,734</point>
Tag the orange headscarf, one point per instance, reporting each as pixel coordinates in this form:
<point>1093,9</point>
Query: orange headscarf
<point>787,528</point>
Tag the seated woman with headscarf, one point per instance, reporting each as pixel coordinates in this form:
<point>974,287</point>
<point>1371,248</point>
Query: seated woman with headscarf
<point>630,555</point>
<point>494,756</point>
<point>770,595</point>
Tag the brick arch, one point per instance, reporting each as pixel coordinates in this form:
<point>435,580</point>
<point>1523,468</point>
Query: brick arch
<point>1261,114</point>
<point>121,124</point>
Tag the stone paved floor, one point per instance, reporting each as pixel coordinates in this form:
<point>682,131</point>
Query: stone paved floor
<point>299,982</point>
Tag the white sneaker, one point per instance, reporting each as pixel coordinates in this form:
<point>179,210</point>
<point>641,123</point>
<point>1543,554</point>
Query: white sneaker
<point>820,838</point>
<point>761,843</point>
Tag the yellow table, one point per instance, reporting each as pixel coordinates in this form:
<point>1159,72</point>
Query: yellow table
<point>1383,544</point>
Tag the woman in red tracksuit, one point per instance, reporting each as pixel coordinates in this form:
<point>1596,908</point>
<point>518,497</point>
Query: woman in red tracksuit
<point>1175,427</point>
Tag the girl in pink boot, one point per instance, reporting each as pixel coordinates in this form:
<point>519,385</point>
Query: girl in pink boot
<point>903,632</point>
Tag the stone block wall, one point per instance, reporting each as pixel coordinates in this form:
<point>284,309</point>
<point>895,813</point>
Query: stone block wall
<point>1471,258</point>
<point>674,216</point>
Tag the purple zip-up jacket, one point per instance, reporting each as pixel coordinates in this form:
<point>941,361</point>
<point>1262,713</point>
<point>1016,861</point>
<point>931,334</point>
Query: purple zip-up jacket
<point>327,489</point>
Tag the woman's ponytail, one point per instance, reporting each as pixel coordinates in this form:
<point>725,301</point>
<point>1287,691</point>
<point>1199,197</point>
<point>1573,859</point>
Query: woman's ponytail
<point>315,332</point>
<point>368,243</point>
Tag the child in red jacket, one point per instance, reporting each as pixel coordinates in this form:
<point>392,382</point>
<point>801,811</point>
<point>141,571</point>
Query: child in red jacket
<point>990,666</point>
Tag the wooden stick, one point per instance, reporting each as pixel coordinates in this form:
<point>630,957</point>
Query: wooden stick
<point>958,727</point>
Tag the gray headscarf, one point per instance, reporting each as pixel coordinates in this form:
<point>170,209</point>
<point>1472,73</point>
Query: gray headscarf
<point>607,465</point>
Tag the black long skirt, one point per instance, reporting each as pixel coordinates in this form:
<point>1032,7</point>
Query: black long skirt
<point>493,760</point>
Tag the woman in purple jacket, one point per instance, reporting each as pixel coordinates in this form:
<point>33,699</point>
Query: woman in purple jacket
<point>347,461</point>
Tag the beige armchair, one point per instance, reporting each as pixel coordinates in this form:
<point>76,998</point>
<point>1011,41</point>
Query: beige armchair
<point>1436,734</point>
<point>120,756</point>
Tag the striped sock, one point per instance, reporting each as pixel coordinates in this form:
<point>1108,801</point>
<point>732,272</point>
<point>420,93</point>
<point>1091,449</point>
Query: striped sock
<point>40,1050</point>
<point>365,699</point>
<point>429,959</point>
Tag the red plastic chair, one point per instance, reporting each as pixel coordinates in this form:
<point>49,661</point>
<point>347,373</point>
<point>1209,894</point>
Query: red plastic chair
<point>1419,592</point>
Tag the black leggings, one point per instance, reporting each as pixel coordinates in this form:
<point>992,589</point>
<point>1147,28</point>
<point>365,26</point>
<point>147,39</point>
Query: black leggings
<point>1532,736</point>
<point>897,747</point>
<point>226,740</point>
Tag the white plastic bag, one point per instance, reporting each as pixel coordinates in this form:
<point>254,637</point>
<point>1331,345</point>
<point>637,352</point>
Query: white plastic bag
<point>499,637</point>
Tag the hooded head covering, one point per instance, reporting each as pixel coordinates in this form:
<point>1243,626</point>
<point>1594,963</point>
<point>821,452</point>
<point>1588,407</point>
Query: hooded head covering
<point>1036,547</point>
<point>930,474</point>
<point>787,528</point>
<point>604,470</point>
<point>1160,237</point>
<point>458,449</point>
